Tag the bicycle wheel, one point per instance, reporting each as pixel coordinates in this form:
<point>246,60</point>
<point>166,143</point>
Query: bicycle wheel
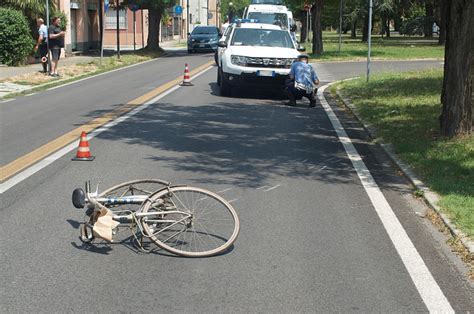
<point>190,221</point>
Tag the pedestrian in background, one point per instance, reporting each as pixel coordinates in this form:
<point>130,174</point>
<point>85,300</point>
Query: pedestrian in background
<point>56,42</point>
<point>302,81</point>
<point>42,43</point>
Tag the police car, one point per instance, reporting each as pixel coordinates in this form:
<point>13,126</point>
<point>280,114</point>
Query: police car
<point>255,55</point>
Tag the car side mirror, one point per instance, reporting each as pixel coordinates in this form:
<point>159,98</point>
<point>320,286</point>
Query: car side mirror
<point>220,34</point>
<point>222,44</point>
<point>189,34</point>
<point>301,48</point>
<point>293,28</point>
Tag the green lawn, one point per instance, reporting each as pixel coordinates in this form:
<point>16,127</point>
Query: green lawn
<point>393,48</point>
<point>404,108</point>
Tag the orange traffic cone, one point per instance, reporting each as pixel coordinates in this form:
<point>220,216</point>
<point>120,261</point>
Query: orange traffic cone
<point>83,151</point>
<point>186,79</point>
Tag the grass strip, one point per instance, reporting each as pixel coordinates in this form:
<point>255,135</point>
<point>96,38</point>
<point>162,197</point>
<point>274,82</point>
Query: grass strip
<point>74,72</point>
<point>404,109</point>
<point>393,48</point>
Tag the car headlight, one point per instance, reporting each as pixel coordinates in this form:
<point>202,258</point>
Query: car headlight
<point>238,60</point>
<point>192,39</point>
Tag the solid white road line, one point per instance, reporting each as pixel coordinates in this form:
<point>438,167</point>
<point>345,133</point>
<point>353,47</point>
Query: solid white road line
<point>429,290</point>
<point>272,188</point>
<point>5,186</point>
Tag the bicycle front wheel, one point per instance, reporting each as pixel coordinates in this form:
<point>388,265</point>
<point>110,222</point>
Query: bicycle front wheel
<point>190,221</point>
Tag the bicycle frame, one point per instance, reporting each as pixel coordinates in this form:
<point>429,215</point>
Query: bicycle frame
<point>133,218</point>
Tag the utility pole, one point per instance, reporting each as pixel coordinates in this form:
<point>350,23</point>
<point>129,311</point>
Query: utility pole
<point>47,41</point>
<point>187,17</point>
<point>118,28</point>
<point>340,25</point>
<point>369,39</point>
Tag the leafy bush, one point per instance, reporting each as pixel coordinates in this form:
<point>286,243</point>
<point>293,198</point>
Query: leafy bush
<point>63,17</point>
<point>15,39</point>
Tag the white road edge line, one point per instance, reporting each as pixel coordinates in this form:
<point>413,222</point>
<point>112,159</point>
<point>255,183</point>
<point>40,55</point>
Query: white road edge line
<point>430,292</point>
<point>272,188</point>
<point>8,184</point>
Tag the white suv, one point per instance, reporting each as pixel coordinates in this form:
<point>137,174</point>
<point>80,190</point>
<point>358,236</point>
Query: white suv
<point>255,55</point>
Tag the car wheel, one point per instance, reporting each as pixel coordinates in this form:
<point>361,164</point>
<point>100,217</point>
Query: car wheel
<point>215,58</point>
<point>226,89</point>
<point>218,76</point>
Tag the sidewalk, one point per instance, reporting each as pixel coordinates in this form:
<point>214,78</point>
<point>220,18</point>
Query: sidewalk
<point>6,71</point>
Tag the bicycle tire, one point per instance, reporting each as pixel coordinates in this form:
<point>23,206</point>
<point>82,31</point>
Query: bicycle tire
<point>211,228</point>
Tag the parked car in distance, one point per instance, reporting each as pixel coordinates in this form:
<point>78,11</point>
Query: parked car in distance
<point>203,38</point>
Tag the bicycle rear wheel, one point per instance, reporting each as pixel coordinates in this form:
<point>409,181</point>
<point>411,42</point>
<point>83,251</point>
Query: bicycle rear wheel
<point>190,221</point>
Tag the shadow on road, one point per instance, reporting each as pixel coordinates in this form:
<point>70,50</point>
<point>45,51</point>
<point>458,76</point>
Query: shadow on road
<point>232,142</point>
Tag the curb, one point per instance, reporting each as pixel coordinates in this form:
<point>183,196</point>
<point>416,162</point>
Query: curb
<point>431,198</point>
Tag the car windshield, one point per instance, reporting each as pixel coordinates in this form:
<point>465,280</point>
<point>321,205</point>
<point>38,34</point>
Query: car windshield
<point>280,19</point>
<point>204,30</point>
<point>261,37</point>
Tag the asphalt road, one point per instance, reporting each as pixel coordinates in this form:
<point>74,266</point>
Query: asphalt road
<point>310,239</point>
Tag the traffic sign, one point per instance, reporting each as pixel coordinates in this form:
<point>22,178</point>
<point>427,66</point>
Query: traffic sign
<point>106,5</point>
<point>178,10</point>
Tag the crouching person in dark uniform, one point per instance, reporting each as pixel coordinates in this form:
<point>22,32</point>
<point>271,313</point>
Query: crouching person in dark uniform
<point>301,82</point>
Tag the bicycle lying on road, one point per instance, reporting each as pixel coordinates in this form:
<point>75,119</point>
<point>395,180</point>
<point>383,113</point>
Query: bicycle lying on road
<point>184,220</point>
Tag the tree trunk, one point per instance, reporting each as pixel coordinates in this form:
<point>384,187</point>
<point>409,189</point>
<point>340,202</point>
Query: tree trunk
<point>429,13</point>
<point>365,35</point>
<point>353,30</point>
<point>316,14</point>
<point>442,22</point>
<point>384,25</point>
<point>397,22</point>
<point>303,26</point>
<point>456,97</point>
<point>387,27</point>
<point>154,20</point>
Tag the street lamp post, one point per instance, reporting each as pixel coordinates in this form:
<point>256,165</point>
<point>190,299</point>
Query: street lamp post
<point>369,39</point>
<point>47,41</point>
<point>187,17</point>
<point>230,11</point>
<point>340,25</point>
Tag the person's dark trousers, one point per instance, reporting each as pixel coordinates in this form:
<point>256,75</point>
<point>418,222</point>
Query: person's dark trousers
<point>43,51</point>
<point>294,94</point>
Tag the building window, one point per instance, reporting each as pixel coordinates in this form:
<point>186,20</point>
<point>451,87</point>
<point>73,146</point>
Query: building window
<point>111,19</point>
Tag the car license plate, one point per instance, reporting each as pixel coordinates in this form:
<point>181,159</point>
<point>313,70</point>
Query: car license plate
<point>264,73</point>
<point>202,45</point>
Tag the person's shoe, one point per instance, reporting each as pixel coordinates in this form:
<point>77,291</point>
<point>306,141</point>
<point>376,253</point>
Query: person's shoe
<point>312,103</point>
<point>291,103</point>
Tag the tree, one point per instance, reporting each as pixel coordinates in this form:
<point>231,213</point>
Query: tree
<point>32,9</point>
<point>316,14</point>
<point>456,97</point>
<point>155,13</point>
